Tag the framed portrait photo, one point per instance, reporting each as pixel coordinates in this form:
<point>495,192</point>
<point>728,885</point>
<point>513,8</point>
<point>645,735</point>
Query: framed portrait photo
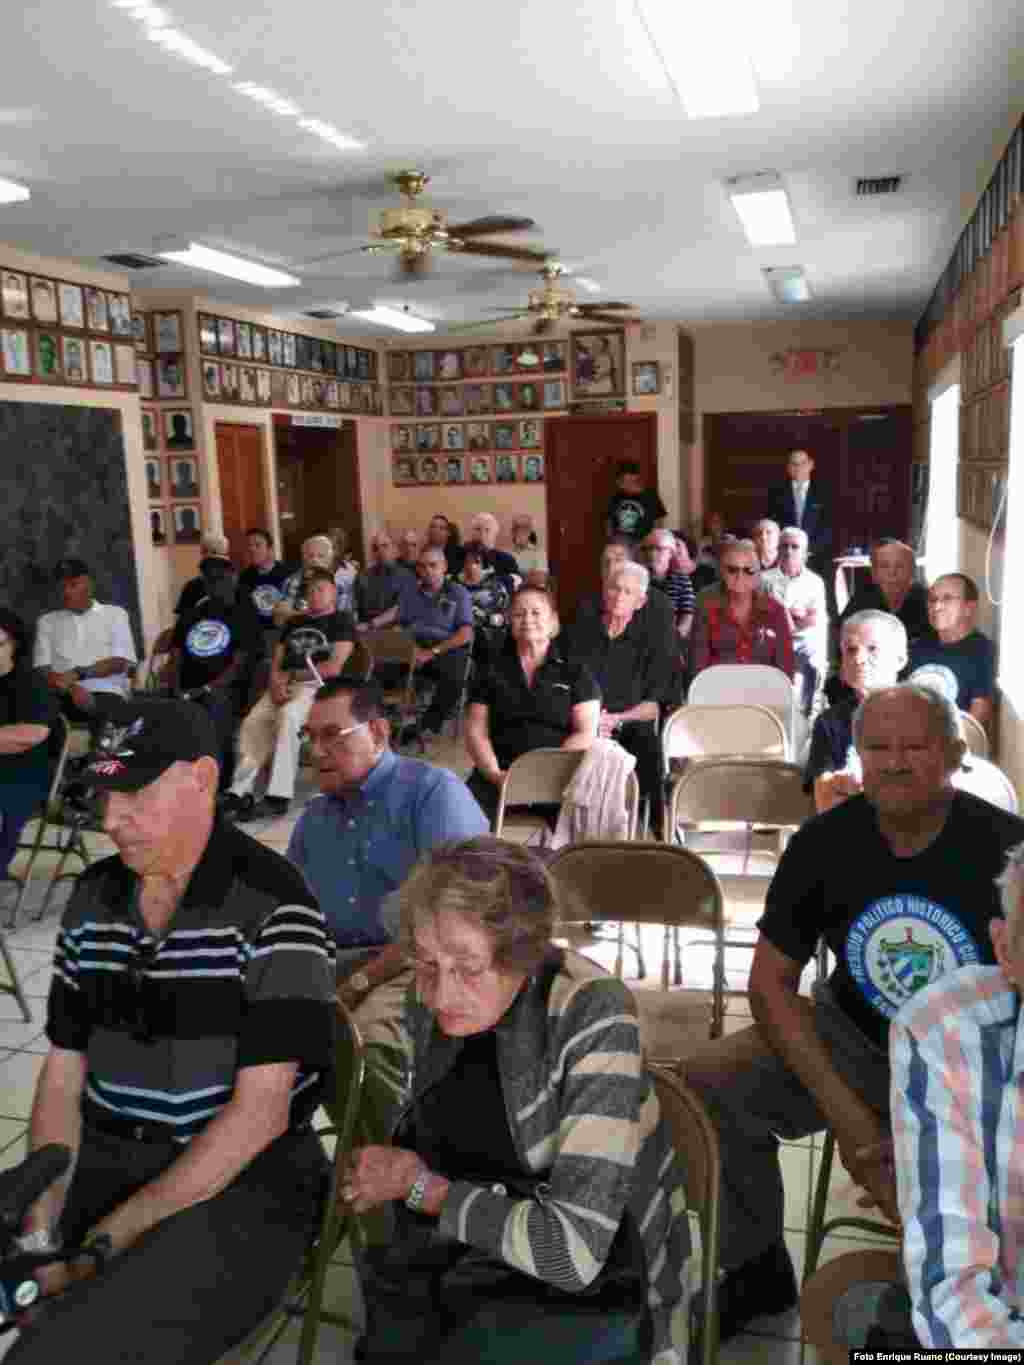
<point>532,467</point>
<point>476,361</point>
<point>16,356</point>
<point>598,364</point>
<point>259,343</point>
<point>646,378</point>
<point>454,436</point>
<point>403,470</point>
<point>477,398</point>
<point>403,439</point>
<point>344,395</point>
<point>506,468</point>
<point>451,402</point>
<point>246,384</point>
<point>553,393</point>
<point>73,356</point>
<point>124,363</point>
<point>225,336</point>
<point>14,294</point>
<point>44,299</point>
<point>306,390</point>
<point>527,397</point>
<point>428,469</point>
<point>449,365</point>
<point>229,383</point>
<point>274,347</point>
<point>263,386</point>
<point>211,379</point>
<point>553,356</point>
<point>529,433</point>
<point>292,392</point>
<point>480,469</point>
<point>119,307</point>
<point>101,355</point>
<point>187,523</point>
<point>506,436</point>
<point>303,353</point>
<point>207,334</point>
<point>423,366</point>
<point>72,307</point>
<point>403,400</point>
<point>399,366</point>
<point>182,476</point>
<point>243,340</point>
<point>149,417</point>
<point>428,436</point>
<point>278,388</point>
<point>455,469</point>
<point>48,366</point>
<point>140,332</point>
<point>144,376</point>
<point>97,316</point>
<point>316,355</point>
<point>154,478</point>
<point>426,402</point>
<point>504,397</point>
<point>528,357</point>
<point>170,376</point>
<point>167,332</point>
<point>503,359</point>
<point>478,435</point>
<point>178,432</point>
<point>158,525</point>
<point>331,393</point>
<point>288,349</point>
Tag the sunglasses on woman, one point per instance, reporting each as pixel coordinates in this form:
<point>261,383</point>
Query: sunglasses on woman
<point>734,569</point>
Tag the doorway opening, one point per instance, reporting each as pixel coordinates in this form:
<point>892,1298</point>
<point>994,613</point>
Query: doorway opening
<point>318,488</point>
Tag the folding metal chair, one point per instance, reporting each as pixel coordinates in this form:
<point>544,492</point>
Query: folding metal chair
<point>396,647</point>
<point>753,685</point>
<point>819,1228</point>
<point>695,732</point>
<point>48,817</point>
<point>984,778</point>
<point>974,735</point>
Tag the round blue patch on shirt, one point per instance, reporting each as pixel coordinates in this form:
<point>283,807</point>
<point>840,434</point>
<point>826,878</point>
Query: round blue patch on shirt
<point>208,638</point>
<point>902,943</point>
<point>265,598</point>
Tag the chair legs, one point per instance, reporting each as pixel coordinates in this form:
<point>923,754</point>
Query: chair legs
<point>819,1229</point>
<point>13,987</point>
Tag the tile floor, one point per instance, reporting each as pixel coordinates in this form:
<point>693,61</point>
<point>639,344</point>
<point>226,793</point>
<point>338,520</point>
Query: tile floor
<point>774,1341</point>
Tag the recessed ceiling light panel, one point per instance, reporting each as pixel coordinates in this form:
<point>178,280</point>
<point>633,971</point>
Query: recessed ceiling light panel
<point>396,318</point>
<point>234,267</point>
<point>762,206</point>
<point>702,54</point>
<point>13,193</point>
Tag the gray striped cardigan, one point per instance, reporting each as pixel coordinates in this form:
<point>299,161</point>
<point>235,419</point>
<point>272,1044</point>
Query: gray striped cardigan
<point>581,1109</point>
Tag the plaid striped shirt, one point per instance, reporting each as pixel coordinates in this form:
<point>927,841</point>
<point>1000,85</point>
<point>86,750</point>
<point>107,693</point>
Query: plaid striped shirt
<point>243,977</point>
<point>957,1053</point>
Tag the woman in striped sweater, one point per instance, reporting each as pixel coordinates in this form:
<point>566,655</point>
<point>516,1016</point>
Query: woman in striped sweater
<point>538,1203</point>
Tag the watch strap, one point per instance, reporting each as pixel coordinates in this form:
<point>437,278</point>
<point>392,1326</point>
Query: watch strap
<point>418,1190</point>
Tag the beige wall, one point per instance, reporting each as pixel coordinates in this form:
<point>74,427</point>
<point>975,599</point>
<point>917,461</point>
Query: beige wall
<point>734,373</point>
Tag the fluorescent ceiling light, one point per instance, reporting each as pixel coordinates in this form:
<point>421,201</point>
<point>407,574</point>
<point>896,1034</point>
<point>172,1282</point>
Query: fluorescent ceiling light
<point>397,318</point>
<point>585,282</point>
<point>701,52</point>
<point>234,267</point>
<point>185,47</point>
<point>762,206</point>
<point>13,193</point>
<point>788,283</point>
<point>262,94</point>
<point>150,15</point>
<point>331,134</point>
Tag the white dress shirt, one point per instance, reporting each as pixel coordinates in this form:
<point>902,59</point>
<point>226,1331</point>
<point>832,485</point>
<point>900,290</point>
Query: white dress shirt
<point>799,498</point>
<point>76,639</point>
<point>805,589</point>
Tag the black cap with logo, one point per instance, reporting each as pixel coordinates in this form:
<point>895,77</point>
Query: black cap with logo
<point>141,740</point>
<point>71,567</point>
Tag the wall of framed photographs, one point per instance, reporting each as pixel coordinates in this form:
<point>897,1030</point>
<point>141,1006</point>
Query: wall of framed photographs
<point>59,331</point>
<point>250,364</point>
<point>169,442</point>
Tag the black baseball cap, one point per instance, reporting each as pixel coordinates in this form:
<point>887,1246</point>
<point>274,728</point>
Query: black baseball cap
<point>71,568</point>
<point>140,740</point>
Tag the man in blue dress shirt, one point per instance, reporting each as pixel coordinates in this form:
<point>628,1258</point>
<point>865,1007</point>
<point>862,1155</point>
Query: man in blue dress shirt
<point>355,845</point>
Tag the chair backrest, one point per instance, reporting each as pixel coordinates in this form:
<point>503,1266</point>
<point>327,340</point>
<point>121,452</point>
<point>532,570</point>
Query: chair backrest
<point>642,883</point>
<point>63,730</point>
<point>750,791</point>
<point>391,645</point>
<point>359,664</point>
<point>538,777</point>
<point>748,685</point>
<point>974,735</point>
<point>701,731</point>
<point>696,1143</point>
<point>983,778</point>
<point>342,1105</point>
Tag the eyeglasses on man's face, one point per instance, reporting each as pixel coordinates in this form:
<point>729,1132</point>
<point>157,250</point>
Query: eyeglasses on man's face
<point>734,569</point>
<point>330,736</point>
<point>790,545</point>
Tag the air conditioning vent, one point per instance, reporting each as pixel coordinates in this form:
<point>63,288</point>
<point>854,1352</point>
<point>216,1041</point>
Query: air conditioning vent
<point>323,314</point>
<point>128,260</point>
<point>868,186</point>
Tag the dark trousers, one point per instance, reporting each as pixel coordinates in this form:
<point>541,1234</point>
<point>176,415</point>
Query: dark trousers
<point>446,672</point>
<point>11,825</point>
<point>195,1285</point>
<point>224,707</point>
<point>641,739</point>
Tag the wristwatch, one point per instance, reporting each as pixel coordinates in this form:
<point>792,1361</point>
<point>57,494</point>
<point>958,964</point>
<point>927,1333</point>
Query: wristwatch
<point>418,1190</point>
<point>81,673</point>
<point>360,982</point>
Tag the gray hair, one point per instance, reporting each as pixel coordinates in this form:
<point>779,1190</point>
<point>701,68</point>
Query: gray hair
<point>319,540</point>
<point>662,534</point>
<point>216,544</point>
<point>796,533</point>
<point>746,545</point>
<point>766,521</point>
<point>636,571</point>
<point>944,715</point>
<point>1011,885</point>
<point>884,620</point>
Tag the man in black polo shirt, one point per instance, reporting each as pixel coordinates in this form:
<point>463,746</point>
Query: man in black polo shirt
<point>380,586</point>
<point>634,670</point>
<point>213,650</point>
<point>190,1032</point>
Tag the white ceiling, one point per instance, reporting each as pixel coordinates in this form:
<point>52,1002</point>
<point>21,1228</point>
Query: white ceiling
<point>552,109</point>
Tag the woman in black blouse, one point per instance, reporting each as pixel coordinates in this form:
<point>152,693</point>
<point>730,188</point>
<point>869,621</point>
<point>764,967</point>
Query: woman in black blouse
<point>532,697</point>
<point>25,720</point>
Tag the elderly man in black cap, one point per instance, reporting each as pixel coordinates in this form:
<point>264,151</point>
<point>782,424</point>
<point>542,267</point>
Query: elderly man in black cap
<point>190,1029</point>
<point>86,649</point>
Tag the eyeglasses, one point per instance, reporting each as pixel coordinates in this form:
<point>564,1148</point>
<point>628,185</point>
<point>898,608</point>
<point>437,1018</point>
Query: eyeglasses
<point>429,973</point>
<point>331,735</point>
<point>734,569</point>
<point>788,545</point>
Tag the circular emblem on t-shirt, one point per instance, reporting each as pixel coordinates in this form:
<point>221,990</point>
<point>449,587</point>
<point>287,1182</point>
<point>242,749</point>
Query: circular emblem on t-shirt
<point>306,641</point>
<point>265,598</point>
<point>208,638</point>
<point>939,678</point>
<point>629,515</point>
<point>902,943</point>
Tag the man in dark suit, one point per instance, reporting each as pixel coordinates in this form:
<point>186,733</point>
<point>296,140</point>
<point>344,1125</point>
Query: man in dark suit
<point>799,502</point>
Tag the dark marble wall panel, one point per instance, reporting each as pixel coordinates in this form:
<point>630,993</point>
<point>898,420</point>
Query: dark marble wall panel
<point>64,490</point>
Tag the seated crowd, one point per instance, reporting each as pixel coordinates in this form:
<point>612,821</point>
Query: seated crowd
<point>558,1216</point>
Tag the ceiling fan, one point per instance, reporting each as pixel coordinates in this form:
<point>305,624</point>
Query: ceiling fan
<point>416,231</point>
<point>554,301</point>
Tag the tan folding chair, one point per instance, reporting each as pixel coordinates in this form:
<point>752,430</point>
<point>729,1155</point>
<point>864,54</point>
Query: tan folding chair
<point>303,1299</point>
<point>536,778</point>
<point>360,663</point>
<point>696,1142</point>
<point>752,685</point>
<point>983,778</point>
<point>762,793</point>
<point>819,1228</point>
<point>48,818</point>
<point>974,735</point>
<point>645,883</point>
<point>821,1298</point>
<point>396,646</point>
<point>696,732</point>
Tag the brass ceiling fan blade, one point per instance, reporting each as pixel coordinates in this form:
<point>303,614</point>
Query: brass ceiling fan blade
<point>488,322</point>
<point>541,326</point>
<point>413,265</point>
<point>602,317</point>
<point>510,253</point>
<point>601,307</point>
<point>480,227</point>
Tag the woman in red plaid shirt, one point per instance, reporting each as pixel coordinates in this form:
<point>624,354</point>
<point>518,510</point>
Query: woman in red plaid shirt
<point>740,624</point>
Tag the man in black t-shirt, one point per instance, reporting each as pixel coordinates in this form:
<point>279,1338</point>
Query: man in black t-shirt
<point>263,581</point>
<point>213,648</point>
<point>634,511</point>
<point>312,648</point>
<point>899,884</point>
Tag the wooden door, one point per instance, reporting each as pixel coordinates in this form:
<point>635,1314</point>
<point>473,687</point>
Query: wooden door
<point>243,489</point>
<point>318,473</point>
<point>874,491</point>
<point>582,455</point>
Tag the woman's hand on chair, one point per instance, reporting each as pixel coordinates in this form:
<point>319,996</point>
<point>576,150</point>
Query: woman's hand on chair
<point>378,1175</point>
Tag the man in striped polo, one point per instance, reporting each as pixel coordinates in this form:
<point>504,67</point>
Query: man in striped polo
<point>190,1034</point>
